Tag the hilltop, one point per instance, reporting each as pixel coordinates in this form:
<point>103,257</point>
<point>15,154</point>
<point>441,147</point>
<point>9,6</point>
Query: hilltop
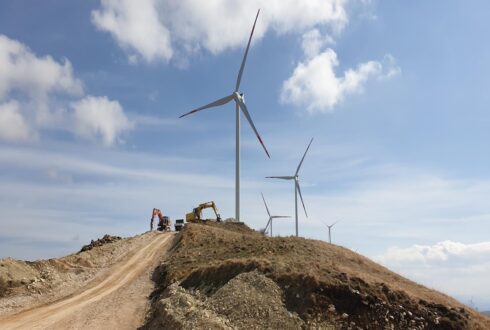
<point>234,277</point>
<point>220,276</point>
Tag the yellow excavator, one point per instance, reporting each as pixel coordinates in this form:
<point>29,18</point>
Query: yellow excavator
<point>196,214</point>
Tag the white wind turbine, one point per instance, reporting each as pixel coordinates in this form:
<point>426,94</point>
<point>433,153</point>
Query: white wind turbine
<point>239,104</point>
<point>271,217</point>
<point>329,230</point>
<point>297,189</point>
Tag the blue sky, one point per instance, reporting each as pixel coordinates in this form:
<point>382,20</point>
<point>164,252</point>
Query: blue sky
<point>394,93</point>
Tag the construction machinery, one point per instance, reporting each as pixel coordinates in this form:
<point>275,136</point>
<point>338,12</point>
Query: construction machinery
<point>179,224</point>
<point>196,214</point>
<point>164,223</point>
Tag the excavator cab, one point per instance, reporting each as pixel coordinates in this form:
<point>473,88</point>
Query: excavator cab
<point>164,224</point>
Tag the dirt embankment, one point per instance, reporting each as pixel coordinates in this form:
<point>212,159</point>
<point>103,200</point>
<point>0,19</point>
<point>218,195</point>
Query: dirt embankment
<point>27,283</point>
<point>219,276</point>
<point>107,286</point>
<point>116,298</point>
<point>225,276</point>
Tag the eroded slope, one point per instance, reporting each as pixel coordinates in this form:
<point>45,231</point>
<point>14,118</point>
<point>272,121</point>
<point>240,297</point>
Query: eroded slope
<point>320,285</point>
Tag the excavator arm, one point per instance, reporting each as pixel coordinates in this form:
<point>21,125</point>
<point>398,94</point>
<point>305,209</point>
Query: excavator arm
<point>164,223</point>
<point>196,215</point>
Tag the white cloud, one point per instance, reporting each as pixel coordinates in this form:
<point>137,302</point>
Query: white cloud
<point>314,83</point>
<point>458,269</point>
<point>446,252</point>
<point>13,127</point>
<point>30,87</point>
<point>23,71</point>
<point>157,29</point>
<point>100,117</point>
<point>136,26</point>
<point>313,42</point>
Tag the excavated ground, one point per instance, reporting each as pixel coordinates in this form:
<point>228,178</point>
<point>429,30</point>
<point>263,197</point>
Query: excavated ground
<point>219,276</point>
<point>110,292</point>
<point>226,276</point>
<point>25,283</point>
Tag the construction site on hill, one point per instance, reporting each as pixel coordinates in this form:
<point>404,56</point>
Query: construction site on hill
<point>220,276</point>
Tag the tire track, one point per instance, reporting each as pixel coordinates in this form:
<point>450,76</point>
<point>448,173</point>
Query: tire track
<point>120,275</point>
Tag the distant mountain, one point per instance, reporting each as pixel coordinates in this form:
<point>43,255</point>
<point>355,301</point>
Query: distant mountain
<point>486,313</point>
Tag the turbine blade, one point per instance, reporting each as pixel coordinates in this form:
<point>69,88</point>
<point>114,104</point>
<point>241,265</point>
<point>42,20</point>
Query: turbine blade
<point>265,205</point>
<point>324,223</point>
<point>247,115</point>
<point>267,226</point>
<point>301,197</point>
<point>240,73</point>
<point>280,177</point>
<point>302,159</point>
<point>280,216</point>
<point>216,103</point>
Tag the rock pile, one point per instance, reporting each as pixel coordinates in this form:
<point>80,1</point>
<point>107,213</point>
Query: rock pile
<point>248,301</point>
<point>101,241</point>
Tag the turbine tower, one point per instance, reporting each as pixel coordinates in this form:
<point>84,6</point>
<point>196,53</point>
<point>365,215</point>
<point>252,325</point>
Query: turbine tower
<point>297,188</point>
<point>239,99</point>
<point>329,231</point>
<point>271,217</point>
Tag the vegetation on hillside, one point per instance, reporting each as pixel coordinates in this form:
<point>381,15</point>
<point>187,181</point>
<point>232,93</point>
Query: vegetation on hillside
<point>321,283</point>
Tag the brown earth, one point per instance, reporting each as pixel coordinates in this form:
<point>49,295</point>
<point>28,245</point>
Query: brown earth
<point>105,287</point>
<point>219,276</point>
<point>225,276</point>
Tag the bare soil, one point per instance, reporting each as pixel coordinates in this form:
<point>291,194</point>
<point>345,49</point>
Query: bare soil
<point>223,276</point>
<point>219,276</point>
<point>113,292</point>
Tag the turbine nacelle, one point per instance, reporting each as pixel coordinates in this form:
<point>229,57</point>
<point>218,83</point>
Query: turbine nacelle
<point>239,97</point>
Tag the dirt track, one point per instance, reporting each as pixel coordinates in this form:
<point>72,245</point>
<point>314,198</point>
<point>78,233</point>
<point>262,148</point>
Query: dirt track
<point>114,300</point>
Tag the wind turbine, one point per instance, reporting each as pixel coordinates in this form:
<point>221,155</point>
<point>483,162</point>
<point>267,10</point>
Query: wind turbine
<point>297,189</point>
<point>271,217</point>
<point>329,230</point>
<point>239,99</point>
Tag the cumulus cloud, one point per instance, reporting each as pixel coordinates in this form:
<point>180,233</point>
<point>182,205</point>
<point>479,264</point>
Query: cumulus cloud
<point>158,29</point>
<point>23,71</point>
<point>442,252</point>
<point>313,42</point>
<point>28,85</point>
<point>13,127</point>
<point>136,26</point>
<point>456,268</point>
<point>100,117</point>
<point>314,83</point>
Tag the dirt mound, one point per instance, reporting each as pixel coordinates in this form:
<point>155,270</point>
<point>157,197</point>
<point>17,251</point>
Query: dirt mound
<point>23,282</point>
<point>249,301</point>
<point>318,284</point>
<point>101,241</point>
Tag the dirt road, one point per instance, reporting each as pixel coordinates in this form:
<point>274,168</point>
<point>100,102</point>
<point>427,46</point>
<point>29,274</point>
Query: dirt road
<point>117,299</point>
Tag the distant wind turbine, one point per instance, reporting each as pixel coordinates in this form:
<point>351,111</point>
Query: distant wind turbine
<point>297,188</point>
<point>239,104</point>
<point>329,230</point>
<point>271,217</point>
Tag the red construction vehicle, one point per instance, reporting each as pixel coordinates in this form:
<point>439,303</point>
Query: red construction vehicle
<point>164,223</point>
